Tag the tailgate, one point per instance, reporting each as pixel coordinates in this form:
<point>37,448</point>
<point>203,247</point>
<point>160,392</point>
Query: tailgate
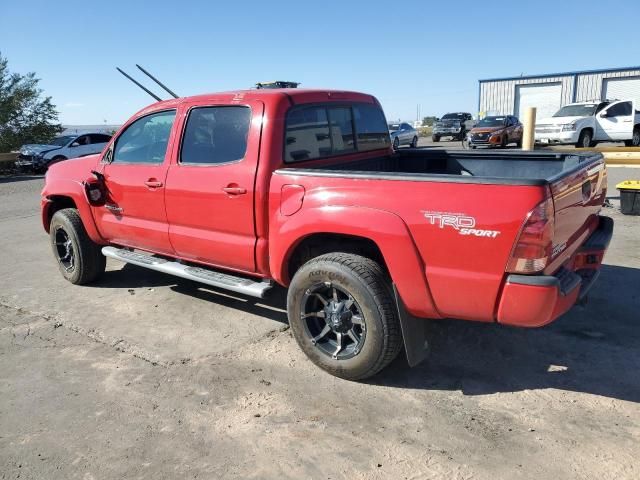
<point>578,195</point>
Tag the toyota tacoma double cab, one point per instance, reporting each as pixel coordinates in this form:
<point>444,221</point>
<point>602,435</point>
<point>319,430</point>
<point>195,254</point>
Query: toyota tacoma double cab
<point>302,188</point>
<point>584,124</point>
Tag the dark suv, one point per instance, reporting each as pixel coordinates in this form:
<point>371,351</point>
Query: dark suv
<point>455,125</point>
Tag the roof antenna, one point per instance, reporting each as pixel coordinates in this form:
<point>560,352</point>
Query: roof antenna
<point>140,85</point>
<point>157,81</point>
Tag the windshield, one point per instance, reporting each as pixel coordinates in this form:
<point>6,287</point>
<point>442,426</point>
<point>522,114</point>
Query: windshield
<point>584,110</point>
<point>62,141</point>
<point>394,127</point>
<point>491,122</point>
<point>453,116</point>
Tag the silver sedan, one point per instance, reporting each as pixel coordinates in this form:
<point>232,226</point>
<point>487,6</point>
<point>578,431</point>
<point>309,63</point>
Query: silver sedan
<point>403,134</point>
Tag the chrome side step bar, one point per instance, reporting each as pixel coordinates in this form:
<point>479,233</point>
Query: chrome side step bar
<point>197,274</point>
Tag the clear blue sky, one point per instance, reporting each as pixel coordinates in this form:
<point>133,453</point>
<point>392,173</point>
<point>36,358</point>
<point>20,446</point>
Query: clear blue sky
<point>404,52</point>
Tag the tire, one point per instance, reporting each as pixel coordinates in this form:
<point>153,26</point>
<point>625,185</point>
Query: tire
<point>351,279</point>
<point>635,140</point>
<point>396,143</point>
<point>79,259</point>
<point>414,142</point>
<point>435,138</point>
<point>585,140</point>
<point>504,141</point>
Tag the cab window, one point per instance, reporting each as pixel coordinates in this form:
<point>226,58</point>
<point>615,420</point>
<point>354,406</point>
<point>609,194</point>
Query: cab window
<point>145,140</point>
<point>620,110</point>
<point>215,135</point>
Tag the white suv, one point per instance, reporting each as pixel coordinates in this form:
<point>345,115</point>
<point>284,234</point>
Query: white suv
<point>39,157</point>
<point>584,124</point>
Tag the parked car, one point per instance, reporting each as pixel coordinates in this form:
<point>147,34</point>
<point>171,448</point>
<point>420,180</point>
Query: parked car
<point>455,125</point>
<point>38,157</point>
<point>242,190</point>
<point>584,124</point>
<point>498,131</point>
<point>403,134</point>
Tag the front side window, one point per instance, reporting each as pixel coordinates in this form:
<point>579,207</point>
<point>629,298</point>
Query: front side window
<point>145,140</point>
<point>620,110</point>
<point>215,135</point>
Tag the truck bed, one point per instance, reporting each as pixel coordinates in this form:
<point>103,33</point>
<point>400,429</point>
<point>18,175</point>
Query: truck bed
<point>493,190</point>
<point>486,167</point>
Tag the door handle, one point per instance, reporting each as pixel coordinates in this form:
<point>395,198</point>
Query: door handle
<point>152,183</point>
<point>234,190</point>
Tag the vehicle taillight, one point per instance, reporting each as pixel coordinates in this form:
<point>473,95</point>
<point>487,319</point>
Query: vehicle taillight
<point>533,247</point>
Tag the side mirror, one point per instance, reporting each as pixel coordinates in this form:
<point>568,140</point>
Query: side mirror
<point>604,114</point>
<point>75,144</point>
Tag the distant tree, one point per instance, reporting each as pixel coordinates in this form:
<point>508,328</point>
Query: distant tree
<point>428,121</point>
<point>25,115</point>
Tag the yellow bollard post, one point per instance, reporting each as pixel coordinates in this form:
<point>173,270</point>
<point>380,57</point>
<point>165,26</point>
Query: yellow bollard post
<point>528,128</point>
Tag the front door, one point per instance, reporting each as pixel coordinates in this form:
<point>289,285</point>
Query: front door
<point>210,188</point>
<point>615,122</point>
<point>135,173</point>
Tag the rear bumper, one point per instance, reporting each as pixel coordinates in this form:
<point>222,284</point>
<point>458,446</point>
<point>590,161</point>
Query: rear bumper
<point>536,300</point>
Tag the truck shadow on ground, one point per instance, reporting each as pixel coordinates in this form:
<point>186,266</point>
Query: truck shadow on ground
<point>592,349</point>
<point>132,277</point>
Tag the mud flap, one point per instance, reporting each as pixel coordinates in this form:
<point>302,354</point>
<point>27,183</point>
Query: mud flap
<point>414,332</point>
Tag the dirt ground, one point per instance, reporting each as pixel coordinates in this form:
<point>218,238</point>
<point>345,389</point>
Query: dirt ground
<point>150,377</point>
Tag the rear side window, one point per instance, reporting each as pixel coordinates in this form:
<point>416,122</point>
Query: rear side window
<point>321,131</point>
<point>215,135</point>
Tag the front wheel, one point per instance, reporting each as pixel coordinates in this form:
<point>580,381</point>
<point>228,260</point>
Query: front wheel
<point>435,138</point>
<point>585,140</point>
<point>414,142</point>
<point>79,259</point>
<point>396,143</point>
<point>343,315</point>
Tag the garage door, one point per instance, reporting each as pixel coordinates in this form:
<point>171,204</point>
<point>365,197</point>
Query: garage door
<point>622,89</point>
<point>544,96</point>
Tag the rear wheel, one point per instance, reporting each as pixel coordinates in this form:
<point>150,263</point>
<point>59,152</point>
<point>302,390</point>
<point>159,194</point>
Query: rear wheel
<point>635,140</point>
<point>414,142</point>
<point>435,138</point>
<point>585,140</point>
<point>342,314</point>
<point>79,259</point>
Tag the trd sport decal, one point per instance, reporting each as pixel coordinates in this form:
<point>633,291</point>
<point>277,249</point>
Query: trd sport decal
<point>463,224</point>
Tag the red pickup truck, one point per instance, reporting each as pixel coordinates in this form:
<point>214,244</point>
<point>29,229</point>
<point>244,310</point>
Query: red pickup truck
<point>241,190</point>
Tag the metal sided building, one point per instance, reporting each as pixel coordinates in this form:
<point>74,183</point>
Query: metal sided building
<point>510,96</point>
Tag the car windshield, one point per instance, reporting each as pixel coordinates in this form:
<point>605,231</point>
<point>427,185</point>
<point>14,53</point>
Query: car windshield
<point>394,127</point>
<point>61,141</point>
<point>491,122</point>
<point>584,110</point>
<point>453,116</point>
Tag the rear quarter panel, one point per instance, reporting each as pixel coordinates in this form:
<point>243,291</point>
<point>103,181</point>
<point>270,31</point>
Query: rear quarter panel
<point>464,272</point>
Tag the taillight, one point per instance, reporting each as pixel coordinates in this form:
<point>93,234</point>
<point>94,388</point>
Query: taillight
<point>533,247</point>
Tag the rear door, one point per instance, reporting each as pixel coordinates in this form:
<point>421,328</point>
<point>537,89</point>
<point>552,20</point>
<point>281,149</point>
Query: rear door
<point>210,187</point>
<point>135,173</point>
<point>615,122</point>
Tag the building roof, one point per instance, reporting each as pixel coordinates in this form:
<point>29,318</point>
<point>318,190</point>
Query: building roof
<point>561,74</point>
